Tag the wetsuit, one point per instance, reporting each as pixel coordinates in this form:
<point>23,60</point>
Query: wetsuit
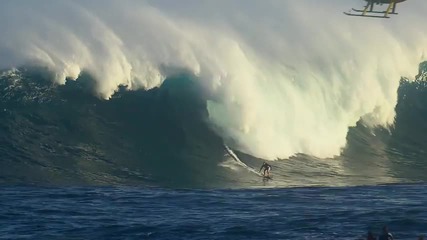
<point>267,168</point>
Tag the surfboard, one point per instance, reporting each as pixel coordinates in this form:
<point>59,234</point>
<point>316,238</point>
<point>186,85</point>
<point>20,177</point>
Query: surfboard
<point>267,177</point>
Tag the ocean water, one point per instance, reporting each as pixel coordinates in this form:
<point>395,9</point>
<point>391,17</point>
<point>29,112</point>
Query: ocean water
<point>150,119</point>
<point>62,135</point>
<point>153,213</point>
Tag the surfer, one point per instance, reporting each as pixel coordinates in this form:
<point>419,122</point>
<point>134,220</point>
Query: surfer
<point>267,168</point>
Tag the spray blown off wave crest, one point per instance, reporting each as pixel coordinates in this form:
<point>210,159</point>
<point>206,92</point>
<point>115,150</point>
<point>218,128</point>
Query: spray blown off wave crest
<point>274,76</point>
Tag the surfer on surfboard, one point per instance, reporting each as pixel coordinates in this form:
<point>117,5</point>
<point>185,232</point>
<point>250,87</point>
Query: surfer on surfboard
<point>267,168</point>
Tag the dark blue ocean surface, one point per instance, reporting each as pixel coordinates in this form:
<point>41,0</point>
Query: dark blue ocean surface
<point>144,213</point>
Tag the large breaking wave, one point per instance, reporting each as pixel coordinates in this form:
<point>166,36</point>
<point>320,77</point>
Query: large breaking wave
<point>263,77</point>
<point>64,134</point>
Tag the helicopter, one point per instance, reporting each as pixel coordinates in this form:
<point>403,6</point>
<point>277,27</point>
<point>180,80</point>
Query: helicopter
<point>369,11</point>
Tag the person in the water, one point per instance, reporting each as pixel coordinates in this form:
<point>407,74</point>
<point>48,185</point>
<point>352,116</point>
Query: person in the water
<point>386,234</point>
<point>267,169</point>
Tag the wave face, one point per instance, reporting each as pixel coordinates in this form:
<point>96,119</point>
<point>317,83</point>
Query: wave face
<point>160,85</point>
<point>64,134</point>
